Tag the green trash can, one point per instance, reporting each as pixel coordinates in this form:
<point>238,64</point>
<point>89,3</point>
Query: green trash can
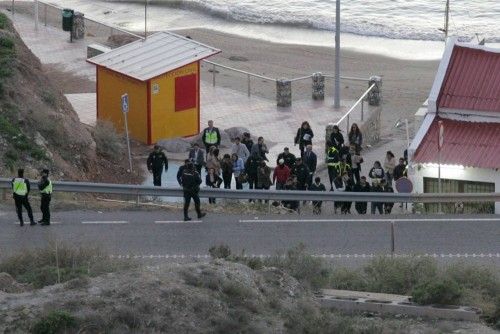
<point>67,19</point>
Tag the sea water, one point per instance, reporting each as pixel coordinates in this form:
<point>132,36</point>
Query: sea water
<point>367,25</point>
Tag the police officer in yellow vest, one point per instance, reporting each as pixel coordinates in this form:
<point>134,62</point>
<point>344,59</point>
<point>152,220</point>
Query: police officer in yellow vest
<point>333,163</point>
<point>45,187</point>
<point>21,189</point>
<point>210,136</point>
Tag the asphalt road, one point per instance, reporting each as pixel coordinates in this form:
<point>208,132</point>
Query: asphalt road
<point>158,234</point>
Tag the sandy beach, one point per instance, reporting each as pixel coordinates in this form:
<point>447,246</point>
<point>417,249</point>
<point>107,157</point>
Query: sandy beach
<point>406,83</point>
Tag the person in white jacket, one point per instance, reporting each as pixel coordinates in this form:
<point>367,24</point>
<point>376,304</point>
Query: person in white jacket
<point>240,149</point>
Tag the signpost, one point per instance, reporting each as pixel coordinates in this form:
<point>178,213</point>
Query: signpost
<point>440,145</point>
<point>125,108</point>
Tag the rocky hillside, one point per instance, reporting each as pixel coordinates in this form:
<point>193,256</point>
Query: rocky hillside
<point>38,127</point>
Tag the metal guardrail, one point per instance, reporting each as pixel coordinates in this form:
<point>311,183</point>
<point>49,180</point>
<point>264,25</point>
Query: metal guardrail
<point>282,195</point>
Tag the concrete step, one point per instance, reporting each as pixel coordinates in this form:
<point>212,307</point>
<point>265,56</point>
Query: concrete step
<point>357,301</point>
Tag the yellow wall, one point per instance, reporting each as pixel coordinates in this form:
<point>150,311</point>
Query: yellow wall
<point>111,86</point>
<point>165,121</point>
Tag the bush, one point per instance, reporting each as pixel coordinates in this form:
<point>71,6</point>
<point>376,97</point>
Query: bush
<point>3,21</point>
<point>221,251</point>
<point>6,42</point>
<point>441,291</point>
<point>108,141</point>
<point>40,268</point>
<point>55,322</point>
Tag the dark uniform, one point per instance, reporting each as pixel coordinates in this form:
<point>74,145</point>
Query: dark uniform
<point>333,163</point>
<point>317,186</point>
<point>191,181</point>
<point>362,187</point>
<point>45,187</point>
<point>21,189</point>
<point>156,161</point>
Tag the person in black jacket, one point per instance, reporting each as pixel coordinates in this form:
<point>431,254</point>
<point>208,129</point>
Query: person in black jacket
<point>247,141</point>
<point>362,186</point>
<point>181,170</point>
<point>191,181</point>
<point>21,189</point>
<point>377,206</point>
<point>251,166</point>
<point>400,170</point>
<point>302,173</point>
<point>386,187</point>
<point>288,157</point>
<point>336,138</point>
<point>156,161</point>
<point>304,137</point>
<point>317,186</point>
<point>311,161</point>
<point>45,187</point>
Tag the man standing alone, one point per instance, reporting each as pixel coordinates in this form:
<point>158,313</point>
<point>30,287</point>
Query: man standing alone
<point>191,181</point>
<point>21,189</point>
<point>45,187</point>
<point>210,136</point>
<point>156,160</point>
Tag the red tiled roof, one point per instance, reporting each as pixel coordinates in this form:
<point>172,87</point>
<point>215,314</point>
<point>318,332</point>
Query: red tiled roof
<point>472,80</point>
<point>468,144</point>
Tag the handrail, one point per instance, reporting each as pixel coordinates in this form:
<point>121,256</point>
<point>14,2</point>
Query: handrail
<point>288,195</point>
<point>239,71</point>
<point>347,78</point>
<point>355,104</point>
<point>301,78</point>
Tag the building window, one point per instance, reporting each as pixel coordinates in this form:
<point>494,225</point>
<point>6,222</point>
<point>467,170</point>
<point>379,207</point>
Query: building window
<point>186,92</point>
<point>431,185</point>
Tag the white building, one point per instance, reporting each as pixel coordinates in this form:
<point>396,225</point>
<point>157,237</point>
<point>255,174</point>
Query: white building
<point>465,99</point>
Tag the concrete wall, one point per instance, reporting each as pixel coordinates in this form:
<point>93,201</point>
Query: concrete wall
<point>418,172</point>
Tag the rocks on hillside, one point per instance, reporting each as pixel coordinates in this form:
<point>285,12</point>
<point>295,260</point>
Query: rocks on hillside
<point>175,145</point>
<point>9,285</point>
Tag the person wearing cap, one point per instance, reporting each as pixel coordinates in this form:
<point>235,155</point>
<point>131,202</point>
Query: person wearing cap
<point>288,157</point>
<point>45,187</point>
<point>191,181</point>
<point>157,160</point>
<point>21,189</point>
<point>281,174</point>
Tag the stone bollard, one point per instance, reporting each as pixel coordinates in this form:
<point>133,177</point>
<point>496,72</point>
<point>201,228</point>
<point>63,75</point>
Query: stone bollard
<point>318,86</point>
<point>78,26</point>
<point>375,95</point>
<point>284,92</point>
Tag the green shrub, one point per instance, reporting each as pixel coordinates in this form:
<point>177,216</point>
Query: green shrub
<point>221,251</point>
<point>108,141</point>
<point>3,21</point>
<point>38,153</point>
<point>6,42</point>
<point>440,291</point>
<point>49,98</point>
<point>55,322</point>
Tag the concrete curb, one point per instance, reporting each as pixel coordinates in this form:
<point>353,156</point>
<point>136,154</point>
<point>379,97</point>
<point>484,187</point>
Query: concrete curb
<point>354,301</point>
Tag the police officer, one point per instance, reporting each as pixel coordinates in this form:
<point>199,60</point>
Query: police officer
<point>191,181</point>
<point>156,161</point>
<point>45,187</point>
<point>333,163</point>
<point>21,189</point>
<point>210,136</point>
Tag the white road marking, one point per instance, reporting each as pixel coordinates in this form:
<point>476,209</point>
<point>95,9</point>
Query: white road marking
<point>106,222</point>
<point>366,220</point>
<point>177,222</point>
<point>324,256</point>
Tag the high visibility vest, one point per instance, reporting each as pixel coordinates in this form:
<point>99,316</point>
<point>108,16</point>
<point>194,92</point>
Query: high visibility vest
<point>48,189</point>
<point>19,187</point>
<point>333,157</point>
<point>211,137</point>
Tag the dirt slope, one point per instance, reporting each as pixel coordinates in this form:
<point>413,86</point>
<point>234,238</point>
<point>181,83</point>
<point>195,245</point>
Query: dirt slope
<point>38,127</point>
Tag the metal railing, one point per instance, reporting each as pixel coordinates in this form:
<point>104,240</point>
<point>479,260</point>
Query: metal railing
<point>361,101</point>
<point>281,195</point>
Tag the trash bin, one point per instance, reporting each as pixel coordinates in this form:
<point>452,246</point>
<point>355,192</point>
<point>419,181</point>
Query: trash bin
<point>67,19</point>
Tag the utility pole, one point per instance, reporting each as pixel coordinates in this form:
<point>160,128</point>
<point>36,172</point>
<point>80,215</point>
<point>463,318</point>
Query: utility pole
<point>446,19</point>
<point>145,19</point>
<point>336,101</point>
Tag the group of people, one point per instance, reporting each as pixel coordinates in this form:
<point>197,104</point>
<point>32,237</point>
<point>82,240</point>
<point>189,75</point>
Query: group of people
<point>21,188</point>
<point>248,163</point>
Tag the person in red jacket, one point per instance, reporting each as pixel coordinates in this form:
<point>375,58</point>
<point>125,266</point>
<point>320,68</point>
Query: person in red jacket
<point>281,174</point>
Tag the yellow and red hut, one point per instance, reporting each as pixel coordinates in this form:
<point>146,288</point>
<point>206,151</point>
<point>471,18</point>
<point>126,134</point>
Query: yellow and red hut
<point>161,77</point>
